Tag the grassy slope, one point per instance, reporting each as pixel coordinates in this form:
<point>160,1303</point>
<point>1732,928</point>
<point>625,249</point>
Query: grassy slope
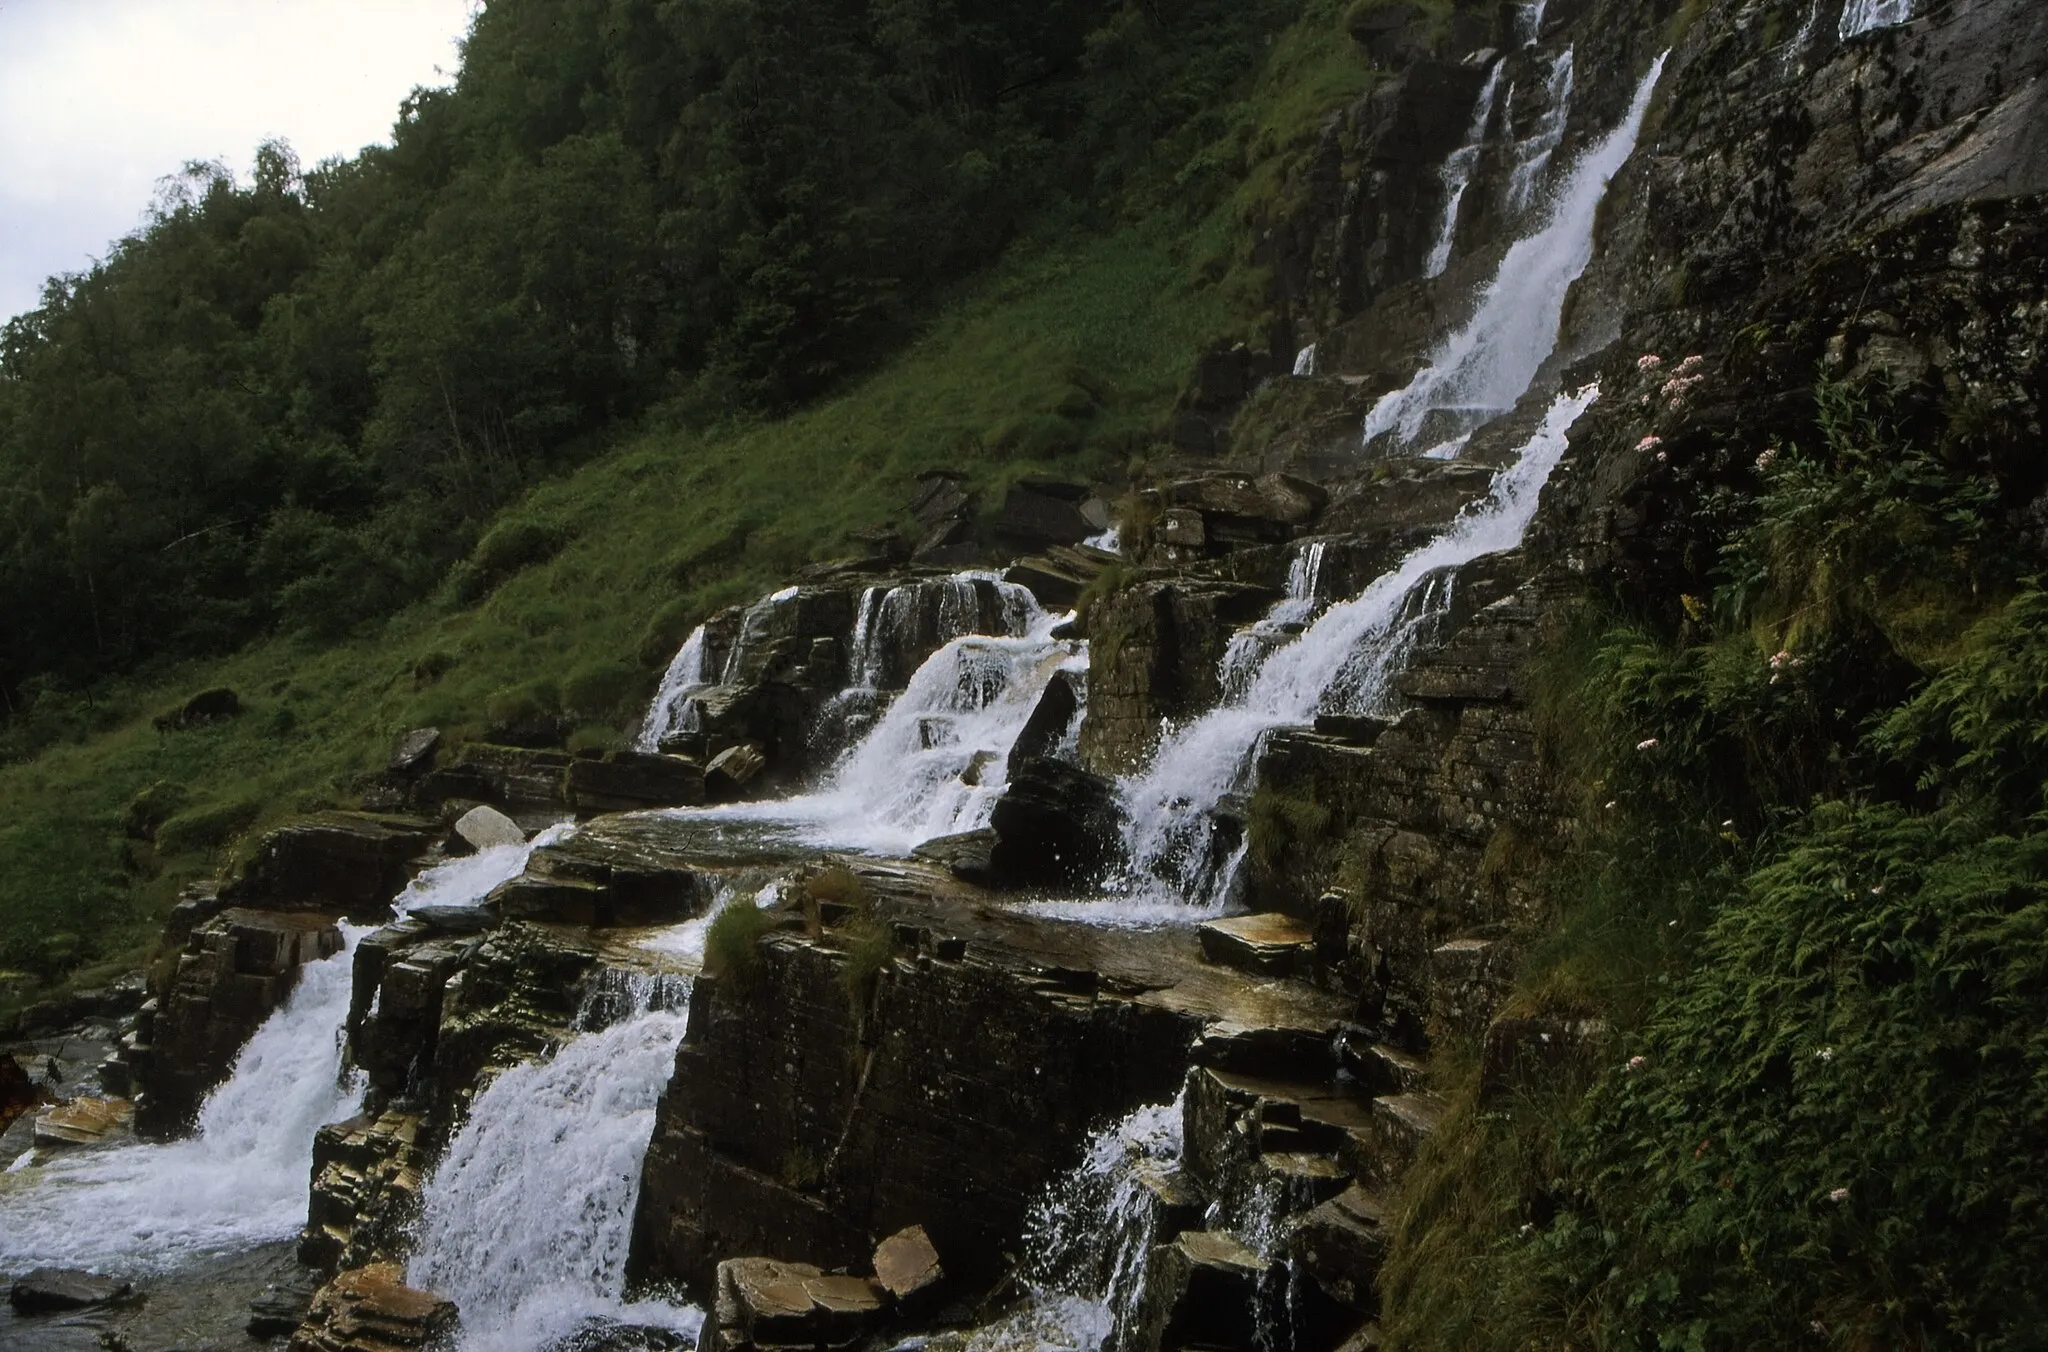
<point>668,525</point>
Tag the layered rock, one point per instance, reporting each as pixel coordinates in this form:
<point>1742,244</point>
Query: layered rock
<point>235,970</point>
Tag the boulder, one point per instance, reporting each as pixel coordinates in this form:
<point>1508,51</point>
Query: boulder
<point>949,543</point>
<point>1240,509</point>
<point>371,1309</point>
<point>414,754</point>
<point>942,494</point>
<point>965,855</point>
<point>764,1303</point>
<point>48,1290</point>
<point>509,776</point>
<point>205,708</point>
<point>907,1267</point>
<point>1047,727</point>
<point>627,781</point>
<point>1056,825</point>
<point>84,1121</point>
<point>484,827</point>
<point>1038,513</point>
<point>732,769</point>
<point>17,1092</point>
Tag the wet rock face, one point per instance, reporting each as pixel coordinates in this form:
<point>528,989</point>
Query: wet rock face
<point>805,1122</point>
<point>49,1290</point>
<point>367,1175</point>
<point>1154,649</point>
<point>1056,825</point>
<point>235,970</point>
<point>347,863</point>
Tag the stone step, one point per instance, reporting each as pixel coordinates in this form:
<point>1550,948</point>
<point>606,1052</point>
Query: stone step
<point>1342,1244</point>
<point>1401,1123</point>
<point>1389,1070</point>
<point>1268,944</point>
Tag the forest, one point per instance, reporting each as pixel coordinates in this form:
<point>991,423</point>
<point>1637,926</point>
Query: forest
<point>292,404</point>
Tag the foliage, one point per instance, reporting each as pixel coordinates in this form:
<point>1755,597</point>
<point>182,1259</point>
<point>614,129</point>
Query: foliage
<point>732,941</point>
<point>295,404</point>
<point>1809,894</point>
<point>870,948</point>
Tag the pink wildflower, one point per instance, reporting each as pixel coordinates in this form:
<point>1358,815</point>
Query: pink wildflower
<point>1649,443</point>
<point>1649,361</point>
<point>1838,1196</point>
<point>1636,1063</point>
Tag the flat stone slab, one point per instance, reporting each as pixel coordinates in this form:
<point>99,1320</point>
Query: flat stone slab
<point>84,1121</point>
<point>907,1264</point>
<point>1269,943</point>
<point>48,1290</point>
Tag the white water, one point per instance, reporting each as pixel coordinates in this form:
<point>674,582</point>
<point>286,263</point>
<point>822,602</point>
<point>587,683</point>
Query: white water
<point>526,1223</point>
<point>1489,363</point>
<point>1305,361</point>
<point>938,760</point>
<point>1864,16</point>
<point>1532,156</point>
<point>239,1182</point>
<point>1529,22</point>
<point>1111,541</point>
<point>671,711</point>
<point>1090,1237</point>
<point>1342,663</point>
<point>241,1179</point>
<point>1457,176</point>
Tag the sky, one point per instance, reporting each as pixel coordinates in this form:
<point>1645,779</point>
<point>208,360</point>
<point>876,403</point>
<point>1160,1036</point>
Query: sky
<point>99,99</point>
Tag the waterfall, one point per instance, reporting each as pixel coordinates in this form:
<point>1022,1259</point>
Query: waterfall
<point>1089,1238</point>
<point>1529,22</point>
<point>1485,366</point>
<point>526,1223</point>
<point>1305,361</point>
<point>937,761</point>
<point>240,1181</point>
<point>671,711</point>
<point>1532,157</point>
<point>1249,646</point>
<point>1457,176</point>
<point>1342,663</point>
<point>1864,16</point>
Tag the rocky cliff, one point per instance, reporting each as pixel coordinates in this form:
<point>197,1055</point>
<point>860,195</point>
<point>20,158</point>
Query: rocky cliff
<point>1548,291</point>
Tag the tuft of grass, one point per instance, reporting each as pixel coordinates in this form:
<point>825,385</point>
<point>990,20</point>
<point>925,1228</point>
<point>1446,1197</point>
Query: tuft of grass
<point>870,948</point>
<point>732,942</point>
<point>1277,825</point>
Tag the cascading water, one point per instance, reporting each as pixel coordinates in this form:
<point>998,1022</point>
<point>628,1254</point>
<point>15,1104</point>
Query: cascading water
<point>1865,16</point>
<point>1305,361</point>
<point>1484,367</point>
<point>1457,176</point>
<point>1529,22</point>
<point>1342,663</point>
<point>1250,645</point>
<point>1532,156</point>
<point>671,711</point>
<point>1090,1237</point>
<point>240,1180</point>
<point>938,759</point>
<point>527,1221</point>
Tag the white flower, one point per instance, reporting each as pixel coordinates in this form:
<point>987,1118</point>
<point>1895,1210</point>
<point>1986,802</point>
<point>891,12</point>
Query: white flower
<point>1636,1063</point>
<point>1647,744</point>
<point>1838,1196</point>
<point>1824,1054</point>
<point>1765,461</point>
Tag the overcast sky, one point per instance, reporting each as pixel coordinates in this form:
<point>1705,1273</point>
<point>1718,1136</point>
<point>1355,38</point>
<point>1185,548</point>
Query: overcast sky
<point>101,98</point>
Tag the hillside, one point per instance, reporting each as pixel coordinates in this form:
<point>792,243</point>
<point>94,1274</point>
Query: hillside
<point>1375,679</point>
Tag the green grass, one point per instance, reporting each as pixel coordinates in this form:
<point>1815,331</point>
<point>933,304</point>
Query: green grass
<point>641,543</point>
